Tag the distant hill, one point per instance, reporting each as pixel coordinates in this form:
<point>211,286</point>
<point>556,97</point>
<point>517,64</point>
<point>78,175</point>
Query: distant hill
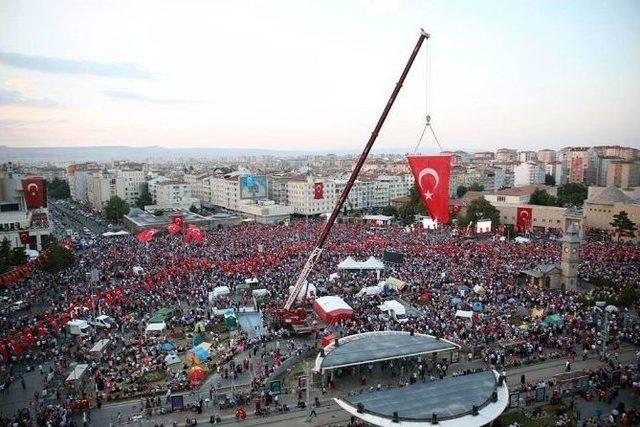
<point>108,153</point>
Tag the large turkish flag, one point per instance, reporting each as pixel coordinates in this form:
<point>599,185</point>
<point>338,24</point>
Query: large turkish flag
<point>146,235</point>
<point>34,191</point>
<point>524,219</point>
<point>432,180</point>
<point>318,190</point>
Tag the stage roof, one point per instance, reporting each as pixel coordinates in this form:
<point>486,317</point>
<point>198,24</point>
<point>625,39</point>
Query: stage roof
<point>451,399</point>
<point>378,346</point>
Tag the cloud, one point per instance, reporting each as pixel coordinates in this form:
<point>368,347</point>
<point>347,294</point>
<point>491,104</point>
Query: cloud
<point>18,124</point>
<point>132,96</point>
<point>47,64</point>
<point>17,98</point>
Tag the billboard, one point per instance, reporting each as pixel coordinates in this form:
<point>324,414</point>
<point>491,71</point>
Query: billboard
<point>483,226</point>
<point>253,187</point>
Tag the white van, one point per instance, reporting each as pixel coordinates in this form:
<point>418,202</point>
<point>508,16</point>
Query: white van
<point>103,321</point>
<point>78,327</point>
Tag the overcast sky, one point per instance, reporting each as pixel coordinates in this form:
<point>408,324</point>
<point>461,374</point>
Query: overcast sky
<point>315,75</point>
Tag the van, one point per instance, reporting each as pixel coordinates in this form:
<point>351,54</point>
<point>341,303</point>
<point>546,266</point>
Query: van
<point>103,321</point>
<point>78,327</point>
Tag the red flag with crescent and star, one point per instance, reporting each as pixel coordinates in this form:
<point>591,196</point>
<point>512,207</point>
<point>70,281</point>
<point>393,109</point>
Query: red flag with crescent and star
<point>318,190</point>
<point>524,219</point>
<point>24,237</point>
<point>33,189</point>
<point>146,235</point>
<point>432,181</point>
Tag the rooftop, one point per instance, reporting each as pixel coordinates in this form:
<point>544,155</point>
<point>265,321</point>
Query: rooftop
<point>378,346</point>
<point>451,399</point>
<point>609,196</point>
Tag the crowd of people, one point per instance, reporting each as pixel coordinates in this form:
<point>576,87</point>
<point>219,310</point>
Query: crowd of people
<point>441,271</point>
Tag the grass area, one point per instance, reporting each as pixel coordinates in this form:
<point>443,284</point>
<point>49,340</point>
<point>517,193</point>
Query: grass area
<point>545,415</point>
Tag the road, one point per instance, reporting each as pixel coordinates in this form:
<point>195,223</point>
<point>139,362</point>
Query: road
<point>69,215</point>
<point>330,414</point>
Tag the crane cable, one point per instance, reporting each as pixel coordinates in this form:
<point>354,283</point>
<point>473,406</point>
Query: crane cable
<point>427,121</point>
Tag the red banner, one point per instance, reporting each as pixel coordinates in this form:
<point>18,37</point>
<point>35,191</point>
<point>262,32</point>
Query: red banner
<point>34,191</point>
<point>193,234</point>
<point>146,235</point>
<point>524,219</point>
<point>432,180</point>
<point>173,228</point>
<point>178,220</point>
<point>24,237</point>
<point>318,190</point>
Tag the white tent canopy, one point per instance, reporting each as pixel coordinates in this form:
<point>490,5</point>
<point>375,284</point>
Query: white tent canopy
<point>394,306</point>
<point>372,263</point>
<point>311,291</point>
<point>260,292</point>
<point>371,290</point>
<point>156,327</point>
<point>252,281</point>
<point>219,291</point>
<point>171,359</point>
<point>464,314</point>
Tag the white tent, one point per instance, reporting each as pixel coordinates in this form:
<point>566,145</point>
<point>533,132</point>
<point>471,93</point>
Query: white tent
<point>219,291</point>
<point>311,291</point>
<point>372,263</point>
<point>115,233</point>
<point>478,290</point>
<point>371,290</point>
<point>171,359</point>
<point>252,281</point>
<point>464,314</point>
<point>394,306</point>
<point>259,293</point>
<point>155,327</point>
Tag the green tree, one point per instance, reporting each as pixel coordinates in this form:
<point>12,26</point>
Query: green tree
<point>542,198</point>
<point>476,186</point>
<point>19,256</point>
<point>461,191</point>
<point>144,199</point>
<point>5,255</point>
<point>549,180</point>
<point>479,208</point>
<point>627,297</point>
<point>406,213</point>
<point>623,225</point>
<point>572,194</point>
<point>389,211</point>
<point>115,209</point>
<point>194,209</point>
<point>58,259</point>
<point>58,189</point>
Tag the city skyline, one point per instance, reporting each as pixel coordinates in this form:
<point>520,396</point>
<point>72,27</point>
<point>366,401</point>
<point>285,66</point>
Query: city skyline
<point>525,76</point>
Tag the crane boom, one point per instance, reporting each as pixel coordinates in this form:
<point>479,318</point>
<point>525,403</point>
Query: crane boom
<point>315,253</point>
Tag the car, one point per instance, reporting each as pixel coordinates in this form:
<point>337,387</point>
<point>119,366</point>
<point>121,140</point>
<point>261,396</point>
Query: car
<point>103,321</point>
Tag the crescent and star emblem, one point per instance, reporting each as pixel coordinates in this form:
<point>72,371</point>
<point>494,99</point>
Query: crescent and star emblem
<point>33,191</point>
<point>428,171</point>
<point>524,214</point>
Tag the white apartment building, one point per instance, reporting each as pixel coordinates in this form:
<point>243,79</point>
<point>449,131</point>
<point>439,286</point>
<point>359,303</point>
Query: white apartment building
<point>527,156</point>
<point>128,184</point>
<point>171,194</point>
<point>78,179</point>
<point>197,184</point>
<point>528,173</point>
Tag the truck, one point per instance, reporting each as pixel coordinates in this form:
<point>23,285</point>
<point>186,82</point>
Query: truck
<point>78,327</point>
<point>103,321</point>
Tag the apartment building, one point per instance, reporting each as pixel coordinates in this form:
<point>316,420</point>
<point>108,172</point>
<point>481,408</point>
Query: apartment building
<point>528,173</point>
<point>622,174</point>
<point>546,156</point>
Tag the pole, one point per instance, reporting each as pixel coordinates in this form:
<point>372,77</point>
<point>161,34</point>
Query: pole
<point>354,174</point>
<point>307,391</point>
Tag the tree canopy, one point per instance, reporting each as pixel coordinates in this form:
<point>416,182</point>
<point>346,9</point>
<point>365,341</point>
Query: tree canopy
<point>572,194</point>
<point>10,258</point>
<point>144,199</point>
<point>623,225</point>
<point>58,189</point>
<point>549,180</point>
<point>59,258</point>
<point>542,198</point>
<point>115,209</point>
<point>479,209</point>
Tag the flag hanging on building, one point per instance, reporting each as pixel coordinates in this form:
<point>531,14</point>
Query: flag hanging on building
<point>524,219</point>
<point>34,191</point>
<point>432,181</point>
<point>318,190</point>
<point>24,237</point>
